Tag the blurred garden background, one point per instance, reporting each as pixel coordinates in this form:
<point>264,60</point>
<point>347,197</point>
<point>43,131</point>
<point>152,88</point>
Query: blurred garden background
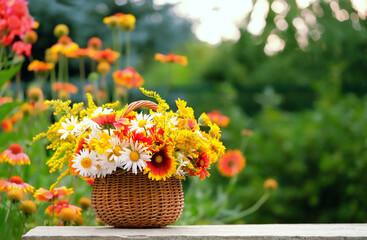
<point>289,75</point>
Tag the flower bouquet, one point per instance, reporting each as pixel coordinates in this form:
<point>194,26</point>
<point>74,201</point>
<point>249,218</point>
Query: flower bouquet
<point>137,159</point>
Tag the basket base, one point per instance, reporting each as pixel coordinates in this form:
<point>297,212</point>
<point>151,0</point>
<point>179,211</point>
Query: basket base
<point>126,200</point>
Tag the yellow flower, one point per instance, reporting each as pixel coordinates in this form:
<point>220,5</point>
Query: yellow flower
<point>102,144</point>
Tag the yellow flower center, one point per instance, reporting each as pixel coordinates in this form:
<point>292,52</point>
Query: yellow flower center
<point>116,150</point>
<point>142,123</point>
<point>201,163</point>
<point>86,162</point>
<point>159,159</point>
<point>134,156</point>
<point>70,128</point>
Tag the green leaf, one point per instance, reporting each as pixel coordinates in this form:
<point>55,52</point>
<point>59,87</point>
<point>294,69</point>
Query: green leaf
<point>6,108</point>
<point>7,74</point>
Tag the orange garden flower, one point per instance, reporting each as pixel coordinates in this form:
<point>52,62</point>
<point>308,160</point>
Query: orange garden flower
<point>270,184</point>
<point>128,78</point>
<point>68,87</point>
<point>67,214</point>
<point>246,132</point>
<point>80,52</point>
<point>15,195</point>
<point>85,203</point>
<point>7,126</point>
<point>171,58</point>
<point>95,43</point>
<point>105,55</point>
<point>31,37</point>
<point>89,88</point>
<point>28,207</point>
<point>39,66</point>
<point>15,155</point>
<point>89,180</point>
<point>216,117</point>
<point>162,164</point>
<point>35,93</point>
<point>121,20</point>
<point>103,68</point>
<point>231,163</point>
<point>15,182</point>
<point>42,194</point>
<point>61,204</point>
<point>65,46</point>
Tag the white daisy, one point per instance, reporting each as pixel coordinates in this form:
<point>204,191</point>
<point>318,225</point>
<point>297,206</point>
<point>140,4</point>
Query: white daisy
<point>88,123</point>
<point>135,157</point>
<point>86,163</point>
<point>115,153</point>
<point>101,110</point>
<point>182,162</point>
<point>105,166</point>
<point>142,122</point>
<point>70,126</point>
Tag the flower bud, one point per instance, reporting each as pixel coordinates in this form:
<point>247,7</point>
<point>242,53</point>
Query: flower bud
<point>85,203</point>
<point>61,30</point>
<point>67,214</point>
<point>28,207</point>
<point>103,68</point>
<point>31,37</point>
<point>270,184</point>
<point>15,195</point>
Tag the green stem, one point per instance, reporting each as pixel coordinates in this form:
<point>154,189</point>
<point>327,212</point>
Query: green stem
<point>104,86</point>
<point>17,80</point>
<point>66,65</point>
<point>170,76</point>
<point>20,215</point>
<point>61,67</point>
<point>243,144</point>
<point>11,170</point>
<point>74,188</point>
<point>53,80</point>
<point>128,49</point>
<point>7,214</point>
<point>248,211</point>
<point>2,50</point>
<point>82,71</point>
<point>53,211</point>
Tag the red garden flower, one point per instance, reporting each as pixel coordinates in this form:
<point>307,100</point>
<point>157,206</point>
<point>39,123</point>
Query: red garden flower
<point>15,155</point>
<point>44,195</point>
<point>216,117</point>
<point>15,182</point>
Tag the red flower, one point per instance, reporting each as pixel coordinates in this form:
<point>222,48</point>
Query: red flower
<point>21,48</point>
<point>68,87</point>
<point>201,166</point>
<point>216,117</point>
<point>106,55</point>
<point>56,209</point>
<point>15,155</point>
<point>231,163</point>
<point>15,182</point>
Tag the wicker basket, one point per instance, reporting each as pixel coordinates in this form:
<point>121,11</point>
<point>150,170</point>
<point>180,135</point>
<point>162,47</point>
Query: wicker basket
<point>124,199</point>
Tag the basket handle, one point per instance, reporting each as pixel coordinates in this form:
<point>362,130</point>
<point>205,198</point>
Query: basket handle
<point>138,104</point>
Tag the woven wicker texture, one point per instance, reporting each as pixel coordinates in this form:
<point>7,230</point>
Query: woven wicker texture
<point>124,199</point>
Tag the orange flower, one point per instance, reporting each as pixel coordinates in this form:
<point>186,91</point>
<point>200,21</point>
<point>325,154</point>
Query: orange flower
<point>7,126</point>
<point>15,182</point>
<point>106,55</point>
<point>15,155</point>
<point>44,195</point>
<point>90,181</point>
<point>103,68</point>
<point>216,117</point>
<point>65,46</point>
<point>171,58</point>
<point>270,184</point>
<point>201,166</point>
<point>31,37</point>
<point>231,163</point>
<point>246,132</point>
<point>68,87</point>
<point>94,43</point>
<point>61,204</point>
<point>35,93</point>
<point>89,88</point>
<point>38,66</point>
<point>128,77</point>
